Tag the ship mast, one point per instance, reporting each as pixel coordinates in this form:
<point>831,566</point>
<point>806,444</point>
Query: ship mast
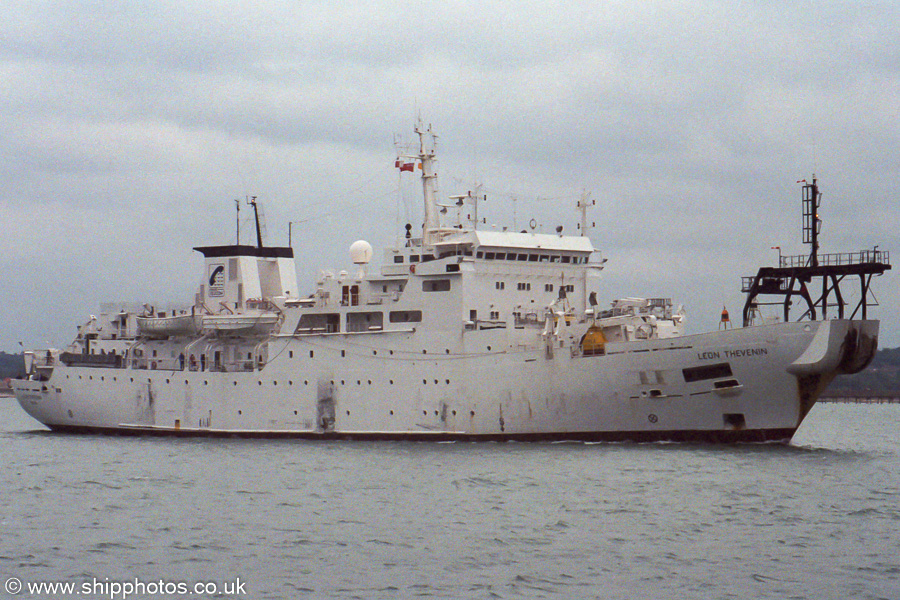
<point>429,184</point>
<point>252,202</point>
<point>811,221</point>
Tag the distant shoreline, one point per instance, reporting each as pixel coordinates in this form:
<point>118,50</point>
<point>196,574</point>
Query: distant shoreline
<point>862,399</point>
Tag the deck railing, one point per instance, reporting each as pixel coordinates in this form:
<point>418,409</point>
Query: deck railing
<point>839,258</point>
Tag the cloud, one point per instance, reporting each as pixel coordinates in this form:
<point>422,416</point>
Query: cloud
<point>131,128</point>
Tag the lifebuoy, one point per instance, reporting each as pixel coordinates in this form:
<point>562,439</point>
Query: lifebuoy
<point>412,268</point>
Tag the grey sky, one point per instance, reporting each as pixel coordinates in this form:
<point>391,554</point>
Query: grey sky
<point>127,129</point>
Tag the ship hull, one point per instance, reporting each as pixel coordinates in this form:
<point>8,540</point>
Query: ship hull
<point>743,385</point>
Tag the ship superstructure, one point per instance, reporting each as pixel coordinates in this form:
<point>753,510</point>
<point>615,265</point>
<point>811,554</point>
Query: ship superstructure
<point>461,334</point>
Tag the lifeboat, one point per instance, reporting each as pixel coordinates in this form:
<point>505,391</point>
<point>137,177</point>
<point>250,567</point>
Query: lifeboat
<point>163,327</point>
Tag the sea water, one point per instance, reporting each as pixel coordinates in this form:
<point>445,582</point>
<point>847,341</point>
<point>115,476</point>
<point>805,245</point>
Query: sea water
<point>816,519</point>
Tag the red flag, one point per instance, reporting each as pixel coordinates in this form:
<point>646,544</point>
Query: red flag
<point>406,167</point>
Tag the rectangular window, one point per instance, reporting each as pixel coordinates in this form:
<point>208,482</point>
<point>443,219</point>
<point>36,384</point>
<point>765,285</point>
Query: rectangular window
<point>364,321</point>
<point>319,323</point>
<point>489,256</point>
<point>436,285</point>
<point>406,316</point>
<point>232,269</point>
<point>398,259</point>
<point>413,258</point>
<point>522,257</point>
<point>566,259</point>
<point>501,256</point>
<point>532,258</point>
<point>707,372</point>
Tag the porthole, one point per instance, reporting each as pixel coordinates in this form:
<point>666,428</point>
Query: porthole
<point>392,412</point>
<point>295,412</point>
<point>447,381</point>
<point>454,413</point>
<point>240,413</point>
<point>343,353</point>
<point>489,348</point>
<point>259,382</point>
<point>446,350</point>
<point>425,412</point>
<point>274,383</point>
<point>424,382</point>
<point>348,413</point>
<point>392,382</point>
<point>342,382</point>
<point>234,383</point>
<point>472,413</point>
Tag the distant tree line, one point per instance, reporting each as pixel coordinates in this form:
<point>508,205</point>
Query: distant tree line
<point>882,377</point>
<point>11,365</point>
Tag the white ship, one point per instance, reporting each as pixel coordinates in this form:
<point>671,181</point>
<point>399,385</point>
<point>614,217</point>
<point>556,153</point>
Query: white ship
<point>461,334</point>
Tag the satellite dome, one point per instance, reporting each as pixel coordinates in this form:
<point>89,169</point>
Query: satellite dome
<point>360,252</point>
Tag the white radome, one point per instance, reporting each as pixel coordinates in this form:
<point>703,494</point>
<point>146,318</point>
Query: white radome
<point>360,252</point>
